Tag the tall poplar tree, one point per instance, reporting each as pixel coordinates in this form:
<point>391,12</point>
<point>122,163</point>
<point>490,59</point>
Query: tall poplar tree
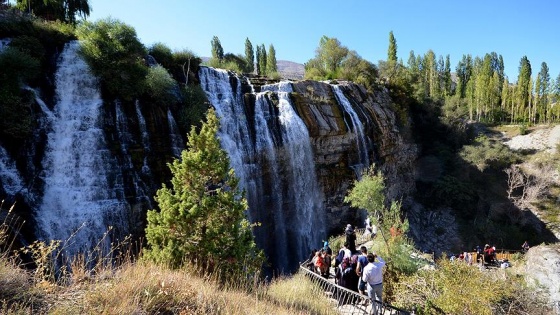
<point>258,57</point>
<point>392,51</point>
<point>542,86</point>
<point>263,60</point>
<point>249,56</point>
<point>271,66</point>
<point>523,91</point>
<point>217,50</point>
<point>202,218</point>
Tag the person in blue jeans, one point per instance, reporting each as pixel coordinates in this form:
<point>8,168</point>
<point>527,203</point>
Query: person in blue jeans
<point>373,275</point>
<point>362,263</point>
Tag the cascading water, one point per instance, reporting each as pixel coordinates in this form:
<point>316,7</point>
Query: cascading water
<point>11,180</point>
<point>274,162</point>
<point>145,139</point>
<point>177,145</point>
<point>83,191</point>
<point>307,198</point>
<point>358,130</point>
<point>125,139</point>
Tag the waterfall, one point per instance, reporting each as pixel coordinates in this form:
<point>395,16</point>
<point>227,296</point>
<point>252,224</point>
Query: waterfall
<point>145,139</point>
<point>272,156</point>
<point>11,180</point>
<point>358,130</point>
<point>307,198</point>
<point>83,191</point>
<point>177,145</point>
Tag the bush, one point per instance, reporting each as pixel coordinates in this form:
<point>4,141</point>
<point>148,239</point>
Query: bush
<point>115,56</point>
<point>196,105</point>
<point>162,54</point>
<point>159,85</point>
<point>457,288</point>
<point>485,153</point>
<point>30,46</point>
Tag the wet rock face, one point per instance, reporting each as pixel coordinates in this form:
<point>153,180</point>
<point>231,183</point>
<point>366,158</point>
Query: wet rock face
<point>335,145</point>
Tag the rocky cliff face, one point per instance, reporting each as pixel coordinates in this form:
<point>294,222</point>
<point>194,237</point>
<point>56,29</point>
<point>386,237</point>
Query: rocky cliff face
<point>140,139</point>
<point>543,271</point>
<point>335,145</point>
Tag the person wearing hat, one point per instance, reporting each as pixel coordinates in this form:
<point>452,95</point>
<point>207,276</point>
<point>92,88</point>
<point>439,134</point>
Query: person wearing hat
<point>350,238</point>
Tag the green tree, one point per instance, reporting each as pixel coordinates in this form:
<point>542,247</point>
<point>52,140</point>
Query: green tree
<point>328,59</point>
<point>392,51</point>
<point>115,56</point>
<point>523,88</point>
<point>258,58</point>
<point>464,73</point>
<point>249,56</point>
<point>447,82</point>
<point>542,86</point>
<point>368,194</point>
<point>63,10</point>
<point>159,85</point>
<point>202,218</point>
<point>217,50</point>
<point>263,60</point>
<point>271,66</point>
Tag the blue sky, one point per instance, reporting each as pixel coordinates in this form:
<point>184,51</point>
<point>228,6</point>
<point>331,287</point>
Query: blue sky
<point>511,28</point>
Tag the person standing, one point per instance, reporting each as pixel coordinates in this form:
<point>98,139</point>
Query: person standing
<point>373,275</point>
<point>362,263</point>
<point>350,238</point>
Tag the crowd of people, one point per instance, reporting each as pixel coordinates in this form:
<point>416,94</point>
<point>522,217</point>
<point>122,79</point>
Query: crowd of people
<point>355,270</point>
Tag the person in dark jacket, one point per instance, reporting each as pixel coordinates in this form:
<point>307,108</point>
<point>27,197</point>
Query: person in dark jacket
<point>350,238</point>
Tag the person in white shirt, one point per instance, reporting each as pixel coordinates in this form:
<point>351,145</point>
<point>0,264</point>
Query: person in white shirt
<point>373,275</point>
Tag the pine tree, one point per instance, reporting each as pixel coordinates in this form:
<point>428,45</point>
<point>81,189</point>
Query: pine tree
<point>271,66</point>
<point>202,218</point>
<point>249,56</point>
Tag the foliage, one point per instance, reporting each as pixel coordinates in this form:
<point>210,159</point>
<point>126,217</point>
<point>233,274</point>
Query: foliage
<point>192,113</point>
<point>262,60</point>
<point>18,68</point>
<point>63,10</point>
<point>271,66</point>
<point>334,61</point>
<point>457,288</point>
<point>201,221</point>
<point>159,85</point>
<point>115,55</point>
<point>162,54</point>
<point>485,153</point>
<point>301,293</point>
<point>249,56</point>
<point>217,50</point>
<point>184,61</point>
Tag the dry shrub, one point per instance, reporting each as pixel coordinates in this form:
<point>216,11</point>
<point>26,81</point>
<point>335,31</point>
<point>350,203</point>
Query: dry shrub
<point>457,288</point>
<point>147,288</point>
<point>300,294</point>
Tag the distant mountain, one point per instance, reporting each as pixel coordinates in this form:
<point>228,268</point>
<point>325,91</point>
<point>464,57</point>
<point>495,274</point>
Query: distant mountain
<point>287,69</point>
<point>290,70</point>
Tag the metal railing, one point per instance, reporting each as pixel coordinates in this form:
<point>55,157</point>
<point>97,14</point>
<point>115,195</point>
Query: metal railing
<point>348,302</point>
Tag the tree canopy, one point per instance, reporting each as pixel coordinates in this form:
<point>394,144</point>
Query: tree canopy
<point>202,215</point>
